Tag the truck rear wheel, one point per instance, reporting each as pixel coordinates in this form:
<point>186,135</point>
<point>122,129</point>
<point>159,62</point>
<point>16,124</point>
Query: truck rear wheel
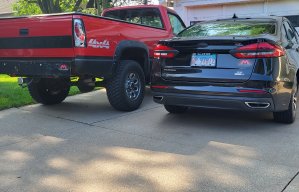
<point>125,90</point>
<point>49,91</point>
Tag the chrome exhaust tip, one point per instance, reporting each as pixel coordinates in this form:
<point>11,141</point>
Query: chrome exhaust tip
<point>258,105</point>
<point>158,98</point>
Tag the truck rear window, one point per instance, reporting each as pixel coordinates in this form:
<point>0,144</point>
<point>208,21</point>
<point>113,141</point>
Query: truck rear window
<point>230,28</point>
<point>148,16</point>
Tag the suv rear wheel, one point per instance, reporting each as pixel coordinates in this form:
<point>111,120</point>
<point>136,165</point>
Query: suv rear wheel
<point>49,91</point>
<point>175,108</point>
<point>125,90</point>
<point>289,115</point>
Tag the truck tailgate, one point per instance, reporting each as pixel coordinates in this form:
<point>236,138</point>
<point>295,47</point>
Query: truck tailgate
<point>38,36</point>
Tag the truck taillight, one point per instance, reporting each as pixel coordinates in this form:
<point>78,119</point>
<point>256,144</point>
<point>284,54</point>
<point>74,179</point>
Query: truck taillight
<point>162,51</point>
<point>79,33</point>
<point>258,50</point>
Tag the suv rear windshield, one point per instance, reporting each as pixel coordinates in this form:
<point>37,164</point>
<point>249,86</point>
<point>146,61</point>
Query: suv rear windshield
<point>229,28</point>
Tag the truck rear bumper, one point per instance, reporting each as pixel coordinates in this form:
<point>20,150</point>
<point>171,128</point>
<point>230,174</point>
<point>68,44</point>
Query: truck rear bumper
<point>58,67</point>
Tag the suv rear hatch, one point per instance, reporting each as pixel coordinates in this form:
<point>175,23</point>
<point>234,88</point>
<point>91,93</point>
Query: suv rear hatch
<point>215,58</point>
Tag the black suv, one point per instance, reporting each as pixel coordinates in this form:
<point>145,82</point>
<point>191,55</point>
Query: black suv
<point>240,63</point>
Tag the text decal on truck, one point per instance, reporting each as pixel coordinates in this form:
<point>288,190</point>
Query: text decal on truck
<point>95,44</point>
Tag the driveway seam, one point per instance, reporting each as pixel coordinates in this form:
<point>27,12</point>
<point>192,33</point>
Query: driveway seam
<point>111,129</point>
<point>290,181</point>
<point>124,115</point>
<point>91,124</point>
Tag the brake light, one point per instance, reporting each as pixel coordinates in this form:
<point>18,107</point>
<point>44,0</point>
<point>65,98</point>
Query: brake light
<point>159,86</point>
<point>258,50</point>
<point>162,51</point>
<point>257,91</point>
<point>79,33</point>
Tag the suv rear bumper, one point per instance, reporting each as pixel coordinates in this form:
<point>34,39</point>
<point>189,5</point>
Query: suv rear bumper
<point>220,102</point>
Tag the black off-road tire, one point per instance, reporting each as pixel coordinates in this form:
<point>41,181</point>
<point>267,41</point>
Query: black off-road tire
<point>117,86</point>
<point>49,91</point>
<point>289,115</point>
<point>175,109</point>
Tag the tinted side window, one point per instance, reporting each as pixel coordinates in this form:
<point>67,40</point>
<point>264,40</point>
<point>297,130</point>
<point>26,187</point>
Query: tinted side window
<point>289,32</point>
<point>176,23</point>
<point>294,32</point>
<point>294,20</point>
<point>297,36</point>
<point>284,33</point>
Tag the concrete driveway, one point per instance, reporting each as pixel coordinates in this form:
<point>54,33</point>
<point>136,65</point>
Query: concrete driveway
<point>83,145</point>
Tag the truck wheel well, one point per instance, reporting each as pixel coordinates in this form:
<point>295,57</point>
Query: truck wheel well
<point>137,54</point>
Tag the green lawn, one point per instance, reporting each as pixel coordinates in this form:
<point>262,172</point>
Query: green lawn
<point>12,95</point>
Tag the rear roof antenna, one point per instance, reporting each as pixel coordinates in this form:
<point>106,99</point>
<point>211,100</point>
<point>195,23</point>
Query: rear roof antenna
<point>235,16</point>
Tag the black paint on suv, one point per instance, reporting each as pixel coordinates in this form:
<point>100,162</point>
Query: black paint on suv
<point>240,63</point>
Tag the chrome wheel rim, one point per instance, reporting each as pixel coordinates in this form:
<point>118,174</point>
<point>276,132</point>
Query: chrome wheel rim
<point>294,103</point>
<point>133,86</point>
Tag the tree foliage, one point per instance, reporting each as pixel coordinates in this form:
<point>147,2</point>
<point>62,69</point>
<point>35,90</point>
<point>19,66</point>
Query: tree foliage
<point>23,7</point>
<point>33,7</point>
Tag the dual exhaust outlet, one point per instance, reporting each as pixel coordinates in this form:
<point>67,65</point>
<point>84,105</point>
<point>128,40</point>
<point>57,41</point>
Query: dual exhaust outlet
<point>258,105</point>
<point>158,98</point>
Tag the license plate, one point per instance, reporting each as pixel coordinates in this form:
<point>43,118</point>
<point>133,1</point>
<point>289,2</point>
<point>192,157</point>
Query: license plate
<point>203,60</point>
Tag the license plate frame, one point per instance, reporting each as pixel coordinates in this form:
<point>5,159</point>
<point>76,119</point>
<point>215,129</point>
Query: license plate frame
<point>203,60</point>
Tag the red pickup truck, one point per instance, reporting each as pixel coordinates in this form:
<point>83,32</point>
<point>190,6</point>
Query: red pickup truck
<point>48,50</point>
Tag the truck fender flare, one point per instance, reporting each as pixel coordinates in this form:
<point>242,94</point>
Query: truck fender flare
<point>129,44</point>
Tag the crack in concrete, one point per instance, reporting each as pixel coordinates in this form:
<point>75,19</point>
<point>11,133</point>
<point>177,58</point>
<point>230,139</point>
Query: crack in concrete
<point>290,181</point>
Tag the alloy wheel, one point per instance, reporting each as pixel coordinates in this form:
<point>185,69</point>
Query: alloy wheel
<point>133,86</point>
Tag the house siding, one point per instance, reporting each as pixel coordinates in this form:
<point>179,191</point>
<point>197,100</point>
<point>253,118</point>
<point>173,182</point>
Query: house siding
<point>202,10</point>
<point>6,7</point>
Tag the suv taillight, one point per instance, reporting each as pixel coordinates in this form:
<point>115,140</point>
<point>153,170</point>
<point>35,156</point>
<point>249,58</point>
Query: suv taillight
<point>162,51</point>
<point>79,33</point>
<point>258,50</point>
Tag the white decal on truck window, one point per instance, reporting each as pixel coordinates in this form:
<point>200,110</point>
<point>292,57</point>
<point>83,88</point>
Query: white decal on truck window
<point>96,44</point>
